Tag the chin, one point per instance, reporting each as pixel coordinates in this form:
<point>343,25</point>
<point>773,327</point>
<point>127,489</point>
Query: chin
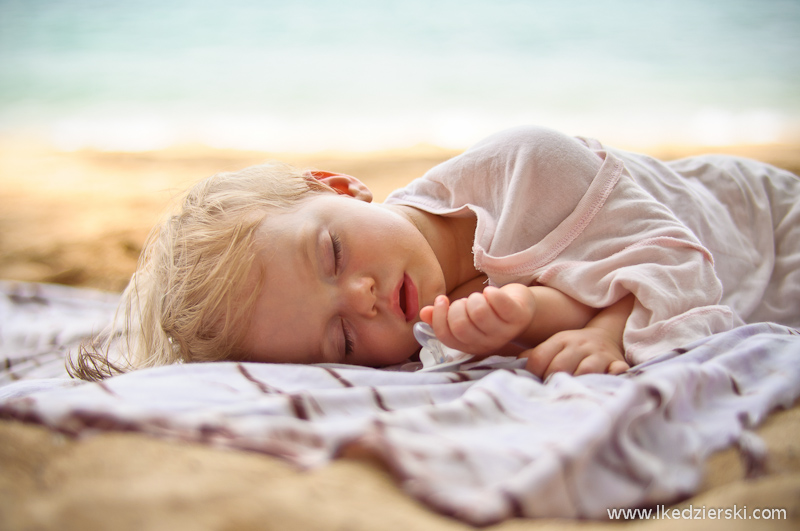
<point>400,357</point>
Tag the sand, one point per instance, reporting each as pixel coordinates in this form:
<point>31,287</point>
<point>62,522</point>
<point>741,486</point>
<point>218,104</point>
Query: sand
<point>128,481</point>
<point>80,218</point>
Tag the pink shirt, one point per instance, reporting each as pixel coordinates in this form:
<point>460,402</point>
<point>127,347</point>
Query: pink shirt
<point>597,224</point>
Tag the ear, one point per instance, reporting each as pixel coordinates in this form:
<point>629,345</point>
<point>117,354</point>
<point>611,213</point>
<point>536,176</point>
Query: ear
<point>343,184</point>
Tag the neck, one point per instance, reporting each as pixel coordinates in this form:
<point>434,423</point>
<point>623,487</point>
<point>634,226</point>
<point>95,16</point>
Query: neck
<point>451,239</point>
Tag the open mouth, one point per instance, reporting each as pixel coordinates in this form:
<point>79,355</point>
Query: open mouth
<point>409,301</point>
<point>403,301</point>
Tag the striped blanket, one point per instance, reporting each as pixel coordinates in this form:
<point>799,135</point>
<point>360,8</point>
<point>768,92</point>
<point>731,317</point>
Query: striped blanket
<point>482,444</point>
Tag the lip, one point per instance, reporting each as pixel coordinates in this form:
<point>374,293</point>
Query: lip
<point>397,295</point>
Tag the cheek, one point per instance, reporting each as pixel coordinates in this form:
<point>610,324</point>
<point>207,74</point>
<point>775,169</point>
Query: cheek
<point>388,348</point>
<point>431,281</point>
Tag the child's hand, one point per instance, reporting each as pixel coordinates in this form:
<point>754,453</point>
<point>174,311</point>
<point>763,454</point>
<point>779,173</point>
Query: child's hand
<point>483,322</point>
<point>583,351</point>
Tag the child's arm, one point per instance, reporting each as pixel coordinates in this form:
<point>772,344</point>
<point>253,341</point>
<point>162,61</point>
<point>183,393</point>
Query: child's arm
<point>489,321</point>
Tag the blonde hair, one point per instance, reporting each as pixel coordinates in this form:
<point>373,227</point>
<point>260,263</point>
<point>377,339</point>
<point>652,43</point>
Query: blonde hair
<point>190,289</point>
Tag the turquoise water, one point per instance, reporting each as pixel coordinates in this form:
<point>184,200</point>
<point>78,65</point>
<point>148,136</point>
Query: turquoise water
<point>352,74</point>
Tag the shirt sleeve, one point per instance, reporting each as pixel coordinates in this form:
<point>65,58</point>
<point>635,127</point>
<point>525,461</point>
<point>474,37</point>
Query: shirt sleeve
<point>618,239</point>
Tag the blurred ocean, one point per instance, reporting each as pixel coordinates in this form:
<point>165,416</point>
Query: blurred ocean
<point>304,75</point>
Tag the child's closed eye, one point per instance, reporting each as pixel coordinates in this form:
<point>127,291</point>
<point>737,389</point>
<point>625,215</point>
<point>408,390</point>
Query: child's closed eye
<point>348,340</point>
<point>337,252</point>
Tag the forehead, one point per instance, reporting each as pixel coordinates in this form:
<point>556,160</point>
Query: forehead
<point>324,205</point>
<point>283,230</point>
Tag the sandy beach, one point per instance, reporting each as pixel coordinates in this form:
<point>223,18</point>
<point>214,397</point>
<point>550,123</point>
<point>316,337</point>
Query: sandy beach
<point>80,218</point>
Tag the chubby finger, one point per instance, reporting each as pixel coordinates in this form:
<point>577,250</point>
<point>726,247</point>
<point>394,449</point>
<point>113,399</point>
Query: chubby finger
<point>507,307</point>
<point>441,306</point>
<point>450,322</point>
<point>567,360</point>
<point>539,358</point>
<point>592,365</point>
<point>426,314</point>
<point>461,326</point>
<point>482,315</point>
<point>618,367</point>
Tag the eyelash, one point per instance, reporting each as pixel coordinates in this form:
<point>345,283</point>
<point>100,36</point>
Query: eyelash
<point>337,251</point>
<point>348,341</point>
<point>337,255</point>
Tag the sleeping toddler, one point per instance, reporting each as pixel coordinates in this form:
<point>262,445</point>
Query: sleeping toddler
<point>570,254</point>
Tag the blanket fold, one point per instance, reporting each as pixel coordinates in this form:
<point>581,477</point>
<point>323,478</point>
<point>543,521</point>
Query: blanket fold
<point>482,444</point>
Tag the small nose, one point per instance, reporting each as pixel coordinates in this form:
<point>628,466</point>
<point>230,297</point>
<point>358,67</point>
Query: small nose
<point>359,295</point>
